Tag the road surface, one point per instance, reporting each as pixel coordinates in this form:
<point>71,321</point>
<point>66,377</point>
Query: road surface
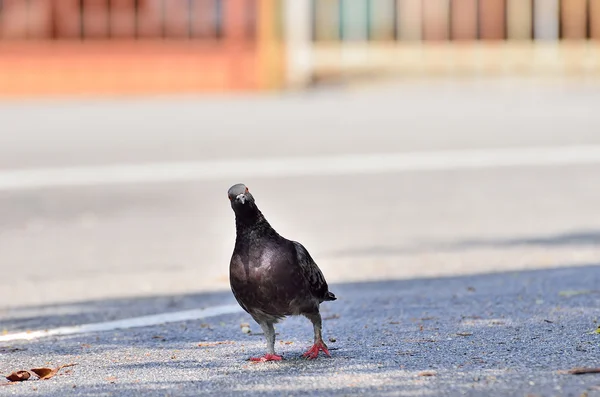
<point>485,273</point>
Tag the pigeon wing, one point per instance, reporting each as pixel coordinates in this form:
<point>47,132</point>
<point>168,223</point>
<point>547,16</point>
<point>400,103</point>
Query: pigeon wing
<point>313,275</point>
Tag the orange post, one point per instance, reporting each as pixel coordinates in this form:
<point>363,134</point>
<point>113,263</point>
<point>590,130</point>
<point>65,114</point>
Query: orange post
<point>492,19</point>
<point>464,20</point>
<point>67,19</point>
<point>234,24</point>
<point>595,19</point>
<point>14,19</point>
<point>150,18</point>
<point>270,46</point>
<point>573,16</point>
<point>203,15</point>
<point>95,18</point>
<point>436,20</point>
<point>122,18</point>
<point>409,19</point>
<point>176,19</point>
<point>39,19</point>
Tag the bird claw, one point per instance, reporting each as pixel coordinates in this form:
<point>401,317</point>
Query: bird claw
<point>313,352</point>
<point>266,357</point>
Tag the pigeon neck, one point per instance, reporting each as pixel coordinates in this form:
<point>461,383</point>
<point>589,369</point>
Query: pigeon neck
<point>250,220</point>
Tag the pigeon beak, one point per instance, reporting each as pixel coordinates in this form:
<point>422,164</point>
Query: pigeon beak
<point>241,198</point>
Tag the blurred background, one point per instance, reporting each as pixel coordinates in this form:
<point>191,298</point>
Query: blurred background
<point>124,122</point>
<point>54,47</point>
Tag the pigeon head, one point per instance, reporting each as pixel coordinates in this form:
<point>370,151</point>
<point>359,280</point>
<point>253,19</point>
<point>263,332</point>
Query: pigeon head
<point>240,197</point>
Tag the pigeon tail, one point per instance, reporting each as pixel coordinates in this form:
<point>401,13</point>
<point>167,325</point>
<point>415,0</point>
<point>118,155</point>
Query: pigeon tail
<point>330,296</point>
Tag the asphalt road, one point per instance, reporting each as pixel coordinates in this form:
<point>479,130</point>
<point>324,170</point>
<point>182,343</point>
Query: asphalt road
<point>487,276</point>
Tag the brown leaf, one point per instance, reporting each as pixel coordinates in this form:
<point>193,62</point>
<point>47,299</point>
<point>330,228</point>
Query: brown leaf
<point>44,373</point>
<point>18,376</point>
<point>427,373</point>
<point>47,373</point>
<point>581,371</point>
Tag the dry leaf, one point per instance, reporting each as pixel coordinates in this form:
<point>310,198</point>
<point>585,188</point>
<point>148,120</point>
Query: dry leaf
<point>427,373</point>
<point>47,373</point>
<point>581,371</point>
<point>18,376</point>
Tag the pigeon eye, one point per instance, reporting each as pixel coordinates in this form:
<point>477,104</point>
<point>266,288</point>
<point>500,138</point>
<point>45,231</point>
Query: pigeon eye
<point>246,190</point>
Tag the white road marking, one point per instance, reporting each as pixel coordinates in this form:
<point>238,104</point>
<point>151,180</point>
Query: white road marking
<point>297,166</point>
<point>144,321</point>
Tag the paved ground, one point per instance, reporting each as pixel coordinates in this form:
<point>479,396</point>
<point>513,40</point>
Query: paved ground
<point>508,255</point>
<point>504,334</point>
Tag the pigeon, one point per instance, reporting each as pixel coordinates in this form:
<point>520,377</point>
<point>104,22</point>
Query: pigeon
<point>272,277</point>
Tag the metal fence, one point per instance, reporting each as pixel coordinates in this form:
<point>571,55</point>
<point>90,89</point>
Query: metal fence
<point>153,46</point>
<point>127,19</point>
<point>88,47</point>
<point>455,20</point>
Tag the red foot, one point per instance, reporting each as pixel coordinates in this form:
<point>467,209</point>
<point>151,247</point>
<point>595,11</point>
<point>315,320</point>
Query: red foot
<point>314,351</point>
<point>266,357</point>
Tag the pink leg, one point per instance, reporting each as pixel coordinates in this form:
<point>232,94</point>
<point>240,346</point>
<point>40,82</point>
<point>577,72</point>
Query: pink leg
<point>266,357</point>
<point>313,352</point>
